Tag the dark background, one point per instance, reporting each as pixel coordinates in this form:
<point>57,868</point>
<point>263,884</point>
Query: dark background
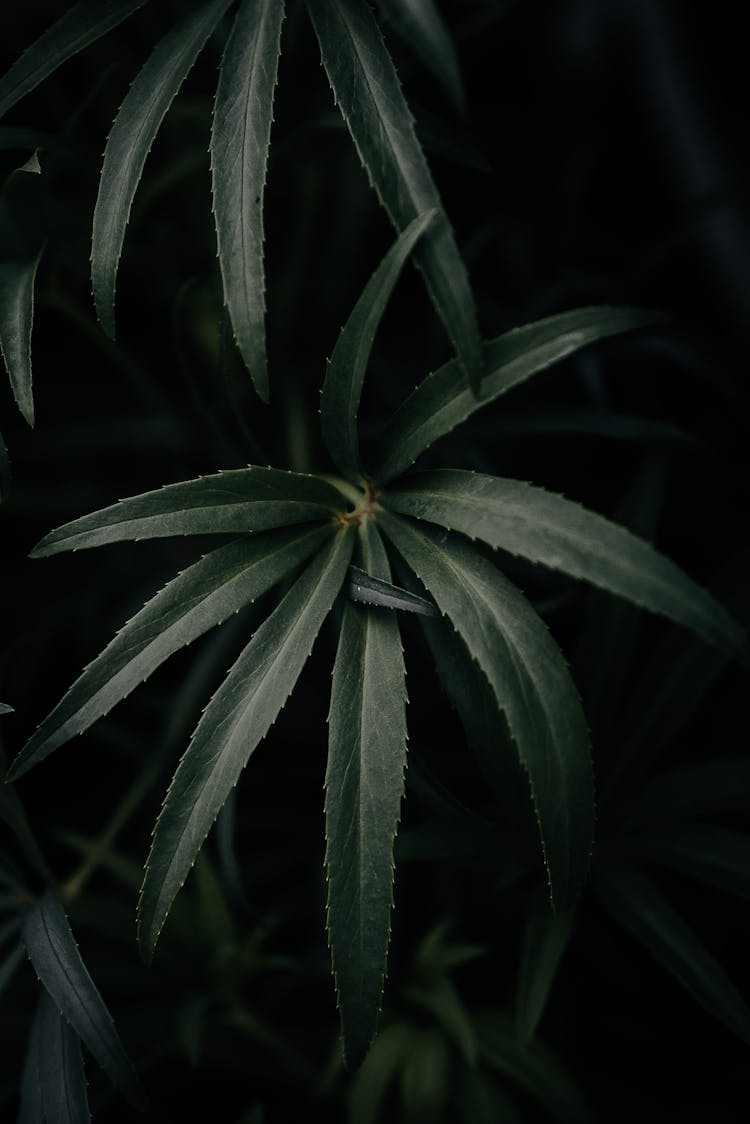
<point>602,159</point>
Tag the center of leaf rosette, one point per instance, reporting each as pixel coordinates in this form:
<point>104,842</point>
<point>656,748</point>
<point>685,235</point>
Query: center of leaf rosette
<point>364,509</point>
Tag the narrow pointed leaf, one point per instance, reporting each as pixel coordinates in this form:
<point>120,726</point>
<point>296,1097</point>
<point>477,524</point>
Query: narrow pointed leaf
<point>532,686</point>
<point>5,709</point>
<point>57,961</point>
<point>368,93</point>
<point>547,528</point>
<point>202,596</point>
<point>633,900</point>
<point>346,369</point>
<point>367,590</point>
<point>235,721</point>
<point>420,25</point>
<point>83,24</point>
<point>130,140</point>
<point>718,856</point>
<point>237,501</point>
<point>16,320</point>
<point>60,1065</point>
<point>240,135</point>
<point>442,400</point>
<point>32,1106</point>
<point>545,939</point>
<point>364,787</point>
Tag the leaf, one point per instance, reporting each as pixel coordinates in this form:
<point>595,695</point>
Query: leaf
<point>130,140</point>
<point>5,709</point>
<point>235,721</point>
<point>545,939</point>
<point>442,401</point>
<point>83,24</point>
<point>420,25</point>
<point>238,501</point>
<point>371,591</point>
<point>10,964</point>
<point>718,856</point>
<point>531,684</point>
<point>240,135</point>
<point>532,1067</point>
<point>32,1105</point>
<point>441,999</point>
<point>202,596</point>
<point>16,319</point>
<point>346,368</point>
<point>57,961</point>
<point>61,1071</point>
<point>364,786</point>
<point>425,1076</point>
<point>13,813</point>
<point>368,93</point>
<point>368,1088</point>
<point>547,528</point>
<point>634,902</point>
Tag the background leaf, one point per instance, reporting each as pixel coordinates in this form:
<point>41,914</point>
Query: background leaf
<point>364,787</point>
<point>420,25</point>
<point>130,140</point>
<point>60,1068</point>
<point>531,684</point>
<point>84,23</point>
<point>442,401</point>
<point>342,389</point>
<point>57,961</point>
<point>545,939</point>
<point>16,320</point>
<point>368,93</point>
<point>235,721</point>
<point>243,111</point>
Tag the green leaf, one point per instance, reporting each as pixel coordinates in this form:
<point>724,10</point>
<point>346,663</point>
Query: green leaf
<point>532,686</point>
<point>425,1076</point>
<point>441,999</point>
<point>545,939</point>
<point>10,964</point>
<point>202,596</point>
<point>368,93</point>
<point>238,501</point>
<point>532,1067</point>
<point>235,721</point>
<point>61,1071</point>
<point>367,590</point>
<point>364,786</point>
<point>16,319</point>
<point>346,369</point>
<point>57,961</point>
<point>547,528</point>
<point>130,140</point>
<point>243,111</point>
<point>634,902</point>
<point>86,22</point>
<point>5,709</point>
<point>718,856</point>
<point>32,1106</point>
<point>442,400</point>
<point>369,1085</point>
<point>420,25</point>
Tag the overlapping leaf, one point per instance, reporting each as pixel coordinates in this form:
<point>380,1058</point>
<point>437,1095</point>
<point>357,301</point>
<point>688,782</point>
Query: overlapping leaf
<point>547,528</point>
<point>202,596</point>
<point>442,401</point>
<point>240,135</point>
<point>58,964</point>
<point>368,590</point>
<point>364,787</point>
<point>531,684</point>
<point>128,144</point>
<point>16,320</point>
<point>235,721</point>
<point>239,500</point>
<point>368,92</point>
<point>55,1060</point>
<point>342,389</point>
<point>83,24</point>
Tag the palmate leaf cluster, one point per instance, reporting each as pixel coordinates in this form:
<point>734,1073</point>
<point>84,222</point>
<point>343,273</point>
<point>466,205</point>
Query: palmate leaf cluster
<point>361,548</point>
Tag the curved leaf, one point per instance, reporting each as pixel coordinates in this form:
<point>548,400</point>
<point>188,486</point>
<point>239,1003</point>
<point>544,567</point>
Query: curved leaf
<point>16,320</point>
<point>57,961</point>
<point>240,134</point>
<point>368,93</point>
<point>60,1067</point>
<point>545,939</point>
<point>420,25</point>
<point>342,389</point>
<point>364,786</point>
<point>235,721</point>
<point>547,528</point>
<point>86,22</point>
<point>372,591</point>
<point>5,709</point>
<point>442,401</point>
<point>532,686</point>
<point>239,500</point>
<point>130,140</point>
<point>202,596</point>
<point>634,902</point>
